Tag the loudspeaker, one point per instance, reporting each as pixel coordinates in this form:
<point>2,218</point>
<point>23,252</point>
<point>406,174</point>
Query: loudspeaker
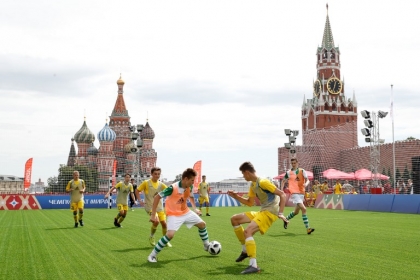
<point>415,161</point>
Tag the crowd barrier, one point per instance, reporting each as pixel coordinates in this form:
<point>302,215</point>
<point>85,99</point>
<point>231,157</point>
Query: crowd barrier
<point>366,202</point>
<point>26,201</point>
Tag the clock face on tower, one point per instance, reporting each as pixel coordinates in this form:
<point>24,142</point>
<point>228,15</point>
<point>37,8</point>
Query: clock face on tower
<point>334,85</point>
<point>317,87</point>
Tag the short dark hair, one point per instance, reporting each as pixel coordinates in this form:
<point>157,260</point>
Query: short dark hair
<point>203,176</point>
<point>294,159</point>
<point>127,174</point>
<point>155,169</point>
<point>247,166</point>
<point>189,173</point>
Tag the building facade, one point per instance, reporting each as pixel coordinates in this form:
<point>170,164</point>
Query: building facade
<point>117,149</point>
<point>329,127</point>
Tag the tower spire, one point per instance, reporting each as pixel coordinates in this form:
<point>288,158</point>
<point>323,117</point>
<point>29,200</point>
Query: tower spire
<point>327,38</point>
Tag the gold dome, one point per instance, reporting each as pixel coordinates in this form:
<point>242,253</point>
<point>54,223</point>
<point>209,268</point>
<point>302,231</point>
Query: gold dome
<point>120,81</point>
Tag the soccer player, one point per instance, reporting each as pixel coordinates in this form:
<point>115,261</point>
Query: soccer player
<point>150,188</point>
<point>132,202</point>
<point>337,187</point>
<point>76,188</point>
<point>124,189</point>
<point>204,190</point>
<point>297,180</point>
<point>270,198</point>
<point>178,212</point>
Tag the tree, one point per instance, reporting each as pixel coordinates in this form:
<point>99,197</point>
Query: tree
<point>411,138</point>
<point>406,174</point>
<point>52,184</point>
<point>397,174</point>
<point>178,177</point>
<point>89,175</point>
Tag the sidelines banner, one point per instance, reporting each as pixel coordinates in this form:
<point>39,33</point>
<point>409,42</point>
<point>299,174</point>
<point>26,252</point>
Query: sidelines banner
<point>114,173</point>
<point>28,174</point>
<point>19,202</point>
<point>197,168</point>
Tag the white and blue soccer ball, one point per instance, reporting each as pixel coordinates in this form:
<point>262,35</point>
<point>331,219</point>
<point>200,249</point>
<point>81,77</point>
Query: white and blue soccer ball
<point>214,248</point>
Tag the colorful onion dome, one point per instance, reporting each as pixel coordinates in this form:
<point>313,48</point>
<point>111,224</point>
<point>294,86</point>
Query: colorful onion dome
<point>106,134</point>
<point>92,150</point>
<point>84,135</point>
<point>147,132</point>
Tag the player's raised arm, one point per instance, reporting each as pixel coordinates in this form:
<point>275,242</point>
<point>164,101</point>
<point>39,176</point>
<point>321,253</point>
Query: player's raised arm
<point>110,191</point>
<point>249,201</point>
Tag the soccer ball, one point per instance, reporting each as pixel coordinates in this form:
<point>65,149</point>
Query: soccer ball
<point>214,248</point>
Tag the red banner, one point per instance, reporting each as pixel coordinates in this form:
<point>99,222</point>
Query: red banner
<point>114,173</point>
<point>28,174</point>
<point>197,168</point>
<point>19,202</point>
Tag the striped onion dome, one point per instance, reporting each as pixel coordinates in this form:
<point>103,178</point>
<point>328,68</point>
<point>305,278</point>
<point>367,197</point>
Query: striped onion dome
<point>147,132</point>
<point>84,135</point>
<point>106,134</point>
<point>92,150</point>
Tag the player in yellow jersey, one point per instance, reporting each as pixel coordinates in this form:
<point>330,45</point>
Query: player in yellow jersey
<point>297,180</point>
<point>272,205</point>
<point>204,191</point>
<point>124,188</point>
<point>338,189</point>
<point>76,188</point>
<point>150,188</point>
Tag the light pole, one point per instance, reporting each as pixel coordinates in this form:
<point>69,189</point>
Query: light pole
<point>135,136</point>
<point>291,145</point>
<point>371,133</point>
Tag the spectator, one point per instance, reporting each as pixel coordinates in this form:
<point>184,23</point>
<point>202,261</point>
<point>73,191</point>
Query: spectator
<point>347,187</point>
<point>310,198</point>
<point>316,187</point>
<point>400,187</point>
<point>366,188</point>
<point>387,188</point>
<point>410,186</point>
<point>353,191</point>
<point>361,183</point>
<point>337,187</point>
<point>325,187</point>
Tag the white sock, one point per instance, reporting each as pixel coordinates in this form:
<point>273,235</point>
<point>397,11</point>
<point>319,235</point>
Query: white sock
<point>253,262</point>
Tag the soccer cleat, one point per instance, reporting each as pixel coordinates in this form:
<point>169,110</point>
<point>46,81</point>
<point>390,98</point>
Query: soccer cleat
<point>76,225</point>
<point>251,269</point>
<point>242,256</point>
<point>118,225</point>
<point>310,230</point>
<point>81,223</point>
<point>169,244</point>
<point>208,214</point>
<point>206,247</point>
<point>115,222</point>
<point>151,258</point>
<point>285,224</point>
<point>152,240</point>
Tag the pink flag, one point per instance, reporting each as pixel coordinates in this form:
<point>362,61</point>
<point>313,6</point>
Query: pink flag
<point>28,174</point>
<point>197,180</point>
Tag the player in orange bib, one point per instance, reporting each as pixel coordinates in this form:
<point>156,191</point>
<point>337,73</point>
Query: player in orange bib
<point>177,212</point>
<point>298,180</point>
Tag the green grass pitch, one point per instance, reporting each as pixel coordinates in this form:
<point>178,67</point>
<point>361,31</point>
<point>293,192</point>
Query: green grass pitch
<point>42,244</point>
